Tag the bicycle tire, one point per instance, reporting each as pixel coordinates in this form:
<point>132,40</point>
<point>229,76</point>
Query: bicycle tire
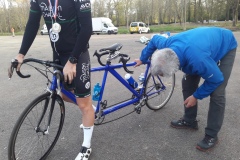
<point>163,87</point>
<point>24,133</point>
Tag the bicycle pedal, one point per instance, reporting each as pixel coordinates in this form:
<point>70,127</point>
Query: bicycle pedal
<point>103,104</point>
<point>136,103</point>
<point>138,110</point>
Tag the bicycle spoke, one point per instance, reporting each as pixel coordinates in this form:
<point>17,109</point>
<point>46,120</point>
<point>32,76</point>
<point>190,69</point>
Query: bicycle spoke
<point>32,142</point>
<point>158,90</point>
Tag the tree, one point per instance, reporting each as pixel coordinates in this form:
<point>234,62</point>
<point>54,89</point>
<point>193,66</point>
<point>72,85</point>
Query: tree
<point>235,4</point>
<point>14,13</point>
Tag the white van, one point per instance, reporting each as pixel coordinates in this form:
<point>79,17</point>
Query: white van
<point>139,27</point>
<point>44,30</point>
<point>103,25</point>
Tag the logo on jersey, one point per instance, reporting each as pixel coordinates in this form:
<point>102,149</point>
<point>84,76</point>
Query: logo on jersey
<point>85,5</point>
<point>53,36</point>
<point>47,11</point>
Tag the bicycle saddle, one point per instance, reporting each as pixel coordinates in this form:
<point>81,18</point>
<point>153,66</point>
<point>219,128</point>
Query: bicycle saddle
<point>113,48</point>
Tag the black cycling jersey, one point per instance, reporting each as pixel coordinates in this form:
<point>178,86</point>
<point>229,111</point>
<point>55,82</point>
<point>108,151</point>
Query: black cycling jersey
<point>74,16</point>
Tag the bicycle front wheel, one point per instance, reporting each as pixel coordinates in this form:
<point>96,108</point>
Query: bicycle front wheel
<point>37,129</point>
<point>158,91</point>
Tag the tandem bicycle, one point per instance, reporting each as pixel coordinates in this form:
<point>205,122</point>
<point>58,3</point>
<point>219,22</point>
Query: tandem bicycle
<point>39,125</point>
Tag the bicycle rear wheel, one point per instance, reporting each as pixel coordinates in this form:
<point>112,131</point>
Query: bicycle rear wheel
<point>159,90</point>
<point>37,129</point>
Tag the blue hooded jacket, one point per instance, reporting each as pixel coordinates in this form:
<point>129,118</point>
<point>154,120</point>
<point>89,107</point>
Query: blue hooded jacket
<point>198,51</point>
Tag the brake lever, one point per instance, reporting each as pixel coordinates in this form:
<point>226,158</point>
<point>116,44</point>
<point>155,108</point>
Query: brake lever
<point>124,62</point>
<point>14,64</point>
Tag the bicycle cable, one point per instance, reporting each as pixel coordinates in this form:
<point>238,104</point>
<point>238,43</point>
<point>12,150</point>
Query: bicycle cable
<point>41,71</point>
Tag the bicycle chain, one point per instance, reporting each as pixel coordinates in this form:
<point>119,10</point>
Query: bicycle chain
<point>137,109</point>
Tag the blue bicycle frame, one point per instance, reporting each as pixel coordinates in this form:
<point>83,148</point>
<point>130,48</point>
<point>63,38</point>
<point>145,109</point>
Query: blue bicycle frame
<point>111,69</point>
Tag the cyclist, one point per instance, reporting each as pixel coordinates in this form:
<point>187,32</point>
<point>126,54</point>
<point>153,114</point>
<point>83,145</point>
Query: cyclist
<point>69,25</point>
<point>204,52</point>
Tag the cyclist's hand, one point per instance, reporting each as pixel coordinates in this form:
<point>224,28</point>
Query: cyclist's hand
<point>69,72</point>
<point>19,58</point>
<point>138,62</point>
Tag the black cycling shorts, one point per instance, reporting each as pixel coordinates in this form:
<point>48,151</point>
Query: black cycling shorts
<point>82,81</point>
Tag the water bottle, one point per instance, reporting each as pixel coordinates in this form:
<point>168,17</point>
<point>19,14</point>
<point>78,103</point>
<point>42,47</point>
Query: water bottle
<point>96,92</point>
<point>131,81</point>
<point>141,79</point>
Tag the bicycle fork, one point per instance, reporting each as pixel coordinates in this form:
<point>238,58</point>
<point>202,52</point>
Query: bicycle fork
<point>46,130</point>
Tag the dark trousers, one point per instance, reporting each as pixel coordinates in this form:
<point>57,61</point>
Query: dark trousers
<point>217,97</point>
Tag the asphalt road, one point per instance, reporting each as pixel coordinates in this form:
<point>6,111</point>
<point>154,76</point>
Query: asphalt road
<point>145,136</point>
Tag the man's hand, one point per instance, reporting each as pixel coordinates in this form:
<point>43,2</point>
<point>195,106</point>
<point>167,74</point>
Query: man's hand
<point>190,101</point>
<point>69,72</point>
<point>138,62</point>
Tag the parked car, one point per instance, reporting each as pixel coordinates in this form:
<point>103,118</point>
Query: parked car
<point>44,30</point>
<point>139,27</point>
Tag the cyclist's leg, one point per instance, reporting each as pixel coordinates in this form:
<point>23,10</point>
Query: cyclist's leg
<point>83,94</point>
<point>85,105</point>
<point>84,101</point>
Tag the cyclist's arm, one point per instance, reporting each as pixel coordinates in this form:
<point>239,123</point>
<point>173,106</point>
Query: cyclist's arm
<point>84,19</point>
<point>31,27</point>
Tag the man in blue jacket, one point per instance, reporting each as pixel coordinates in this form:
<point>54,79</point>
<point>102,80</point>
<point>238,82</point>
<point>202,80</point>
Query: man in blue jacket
<point>204,52</point>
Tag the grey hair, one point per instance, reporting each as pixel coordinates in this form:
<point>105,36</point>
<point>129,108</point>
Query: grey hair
<point>164,62</point>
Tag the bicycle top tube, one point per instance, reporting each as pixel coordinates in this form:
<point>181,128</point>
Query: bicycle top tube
<point>114,66</point>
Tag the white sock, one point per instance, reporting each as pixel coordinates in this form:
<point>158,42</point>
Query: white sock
<point>94,108</point>
<point>87,136</point>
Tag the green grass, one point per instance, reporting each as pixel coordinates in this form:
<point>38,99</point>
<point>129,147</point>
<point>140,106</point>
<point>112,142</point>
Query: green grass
<point>175,27</point>
<point>10,34</point>
<point>178,28</point>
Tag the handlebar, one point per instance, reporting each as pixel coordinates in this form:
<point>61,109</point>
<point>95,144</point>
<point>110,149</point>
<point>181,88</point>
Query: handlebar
<point>113,53</point>
<point>47,63</point>
<point>56,72</point>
